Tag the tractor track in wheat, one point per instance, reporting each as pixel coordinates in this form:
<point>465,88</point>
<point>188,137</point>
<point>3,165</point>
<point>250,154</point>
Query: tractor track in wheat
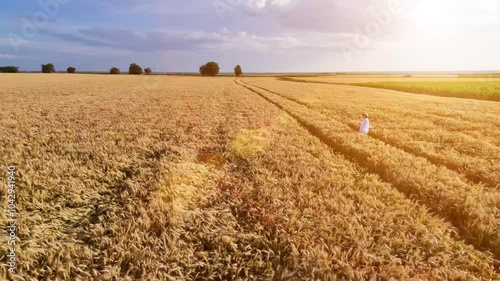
<point>475,235</point>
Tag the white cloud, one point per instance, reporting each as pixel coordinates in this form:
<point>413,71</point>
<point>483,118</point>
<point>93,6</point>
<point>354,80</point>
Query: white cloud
<point>13,57</point>
<point>427,32</point>
<point>94,40</point>
<point>8,57</point>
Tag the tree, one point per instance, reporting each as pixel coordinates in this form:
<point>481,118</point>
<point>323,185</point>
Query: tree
<point>9,69</point>
<point>237,70</point>
<point>134,69</point>
<point>203,70</point>
<point>210,69</point>
<point>71,69</point>
<point>114,70</point>
<point>48,68</point>
<point>148,70</point>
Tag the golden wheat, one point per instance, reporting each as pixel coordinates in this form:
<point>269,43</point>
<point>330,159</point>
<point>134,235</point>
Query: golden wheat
<point>472,208</point>
<point>190,178</point>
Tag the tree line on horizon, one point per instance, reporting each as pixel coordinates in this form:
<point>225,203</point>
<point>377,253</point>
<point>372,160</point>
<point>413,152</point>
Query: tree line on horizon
<point>212,69</point>
<point>9,69</point>
<point>209,69</point>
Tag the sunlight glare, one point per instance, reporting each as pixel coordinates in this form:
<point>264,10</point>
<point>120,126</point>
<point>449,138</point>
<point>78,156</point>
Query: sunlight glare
<point>431,13</point>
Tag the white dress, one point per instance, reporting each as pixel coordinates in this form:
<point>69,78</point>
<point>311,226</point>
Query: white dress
<point>365,127</point>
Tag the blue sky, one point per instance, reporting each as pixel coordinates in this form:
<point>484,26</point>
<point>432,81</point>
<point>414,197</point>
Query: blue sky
<point>261,35</point>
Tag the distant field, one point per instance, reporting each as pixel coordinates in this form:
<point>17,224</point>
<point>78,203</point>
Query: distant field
<point>350,78</point>
<point>483,90</point>
<point>493,75</point>
<point>201,178</point>
<point>473,87</point>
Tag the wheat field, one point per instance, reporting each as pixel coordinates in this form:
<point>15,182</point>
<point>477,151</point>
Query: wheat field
<point>481,87</point>
<point>221,178</point>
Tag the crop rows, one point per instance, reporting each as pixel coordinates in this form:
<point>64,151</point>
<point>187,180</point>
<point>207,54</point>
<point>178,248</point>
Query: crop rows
<point>406,124</point>
<point>472,208</point>
<point>479,87</point>
<point>483,90</point>
<point>120,183</point>
<point>194,178</point>
<point>343,222</point>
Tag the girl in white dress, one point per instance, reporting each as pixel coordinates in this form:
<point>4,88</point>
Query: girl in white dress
<point>365,125</point>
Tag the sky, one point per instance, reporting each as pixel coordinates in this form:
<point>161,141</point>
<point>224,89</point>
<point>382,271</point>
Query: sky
<point>260,35</point>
